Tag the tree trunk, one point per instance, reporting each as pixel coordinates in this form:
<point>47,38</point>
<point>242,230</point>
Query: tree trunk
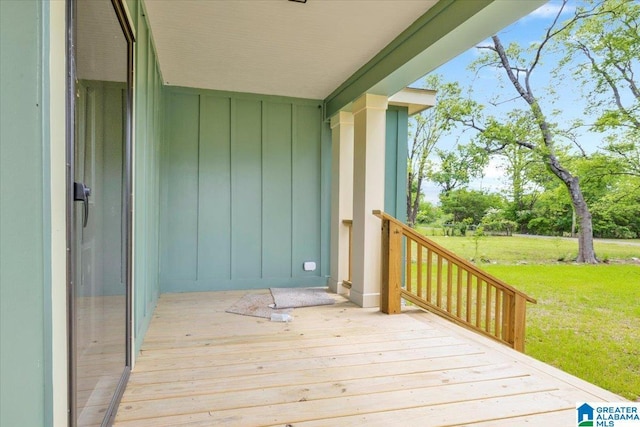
<point>416,203</point>
<point>411,215</point>
<point>586,252</point>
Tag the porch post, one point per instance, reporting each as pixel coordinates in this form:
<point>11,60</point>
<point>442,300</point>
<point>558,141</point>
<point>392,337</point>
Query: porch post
<point>369,114</point>
<point>341,197</point>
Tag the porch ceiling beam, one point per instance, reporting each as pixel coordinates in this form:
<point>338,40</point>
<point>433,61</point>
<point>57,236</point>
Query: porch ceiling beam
<point>444,31</point>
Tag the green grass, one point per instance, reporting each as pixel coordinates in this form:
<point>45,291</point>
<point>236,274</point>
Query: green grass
<point>516,249</point>
<point>587,320</point>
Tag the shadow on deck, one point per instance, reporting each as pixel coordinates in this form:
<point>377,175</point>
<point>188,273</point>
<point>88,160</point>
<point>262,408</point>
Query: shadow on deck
<point>333,366</point>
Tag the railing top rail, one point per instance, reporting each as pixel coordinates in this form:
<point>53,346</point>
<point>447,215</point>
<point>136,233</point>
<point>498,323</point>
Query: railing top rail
<point>447,253</point>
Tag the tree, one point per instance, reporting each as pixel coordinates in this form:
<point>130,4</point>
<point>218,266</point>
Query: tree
<point>427,129</point>
<point>471,205</point>
<point>428,213</point>
<point>454,169</point>
<point>532,128</point>
<point>614,197</point>
<point>552,213</point>
<point>422,140</point>
<point>604,49</point>
<point>526,176</point>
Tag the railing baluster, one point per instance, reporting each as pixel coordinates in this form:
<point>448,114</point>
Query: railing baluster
<point>498,321</point>
<point>507,318</point>
<point>469,295</point>
<point>487,324</point>
<point>458,290</point>
<point>408,265</point>
<point>439,281</point>
<point>449,285</point>
<point>500,316</point>
<point>419,270</point>
<point>478,302</point>
<point>429,273</point>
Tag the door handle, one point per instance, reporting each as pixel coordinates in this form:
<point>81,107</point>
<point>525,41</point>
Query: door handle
<point>81,193</point>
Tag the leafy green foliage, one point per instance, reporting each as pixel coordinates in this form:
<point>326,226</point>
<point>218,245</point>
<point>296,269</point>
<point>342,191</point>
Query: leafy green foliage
<point>552,213</point>
<point>599,46</point>
<point>603,51</point>
<point>495,222</point>
<point>426,129</point>
<point>468,205</point>
<point>428,213</point>
<point>455,169</point>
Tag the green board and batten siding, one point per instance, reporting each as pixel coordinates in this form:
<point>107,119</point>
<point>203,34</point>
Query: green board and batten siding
<point>243,179</point>
<point>25,254</point>
<point>395,190</point>
<point>148,91</point>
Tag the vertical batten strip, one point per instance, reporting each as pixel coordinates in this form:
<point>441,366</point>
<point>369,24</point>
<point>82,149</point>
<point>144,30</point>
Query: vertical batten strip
<point>232,141</point>
<point>263,138</point>
<point>294,137</point>
<point>198,168</point>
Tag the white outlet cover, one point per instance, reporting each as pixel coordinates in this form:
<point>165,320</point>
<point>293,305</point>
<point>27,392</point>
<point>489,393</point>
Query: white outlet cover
<point>309,266</point>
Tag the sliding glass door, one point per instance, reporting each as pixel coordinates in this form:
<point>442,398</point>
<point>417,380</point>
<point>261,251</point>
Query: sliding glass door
<point>99,218</point>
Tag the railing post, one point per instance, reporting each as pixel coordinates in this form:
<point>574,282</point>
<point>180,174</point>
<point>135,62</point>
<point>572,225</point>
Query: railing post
<point>520,314</point>
<point>391,268</point>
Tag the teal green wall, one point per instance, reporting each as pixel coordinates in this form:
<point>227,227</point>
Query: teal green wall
<point>25,283</point>
<point>244,191</point>
<point>147,136</point>
<point>395,191</point>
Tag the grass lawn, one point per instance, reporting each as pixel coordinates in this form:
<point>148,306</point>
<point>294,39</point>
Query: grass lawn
<point>516,249</point>
<point>587,320</point>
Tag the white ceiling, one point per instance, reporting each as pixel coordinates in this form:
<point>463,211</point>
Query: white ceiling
<point>275,47</point>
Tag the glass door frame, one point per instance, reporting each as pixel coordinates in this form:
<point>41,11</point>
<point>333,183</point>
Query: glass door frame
<point>125,25</point>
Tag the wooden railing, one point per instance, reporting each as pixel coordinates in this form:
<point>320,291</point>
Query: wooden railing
<point>349,223</point>
<point>438,280</point>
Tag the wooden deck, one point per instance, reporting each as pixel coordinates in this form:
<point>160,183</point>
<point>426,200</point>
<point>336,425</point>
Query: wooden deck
<point>336,365</point>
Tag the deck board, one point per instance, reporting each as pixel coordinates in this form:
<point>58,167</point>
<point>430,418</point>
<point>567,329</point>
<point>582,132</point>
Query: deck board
<point>335,365</point>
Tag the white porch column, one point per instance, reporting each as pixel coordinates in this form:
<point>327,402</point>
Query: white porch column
<point>369,114</point>
<point>341,197</point>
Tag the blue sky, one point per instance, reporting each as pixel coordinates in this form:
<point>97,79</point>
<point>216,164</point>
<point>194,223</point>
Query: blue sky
<point>526,31</point>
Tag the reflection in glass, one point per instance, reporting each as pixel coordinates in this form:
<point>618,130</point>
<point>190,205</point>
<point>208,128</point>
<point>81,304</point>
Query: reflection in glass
<point>99,276</point>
